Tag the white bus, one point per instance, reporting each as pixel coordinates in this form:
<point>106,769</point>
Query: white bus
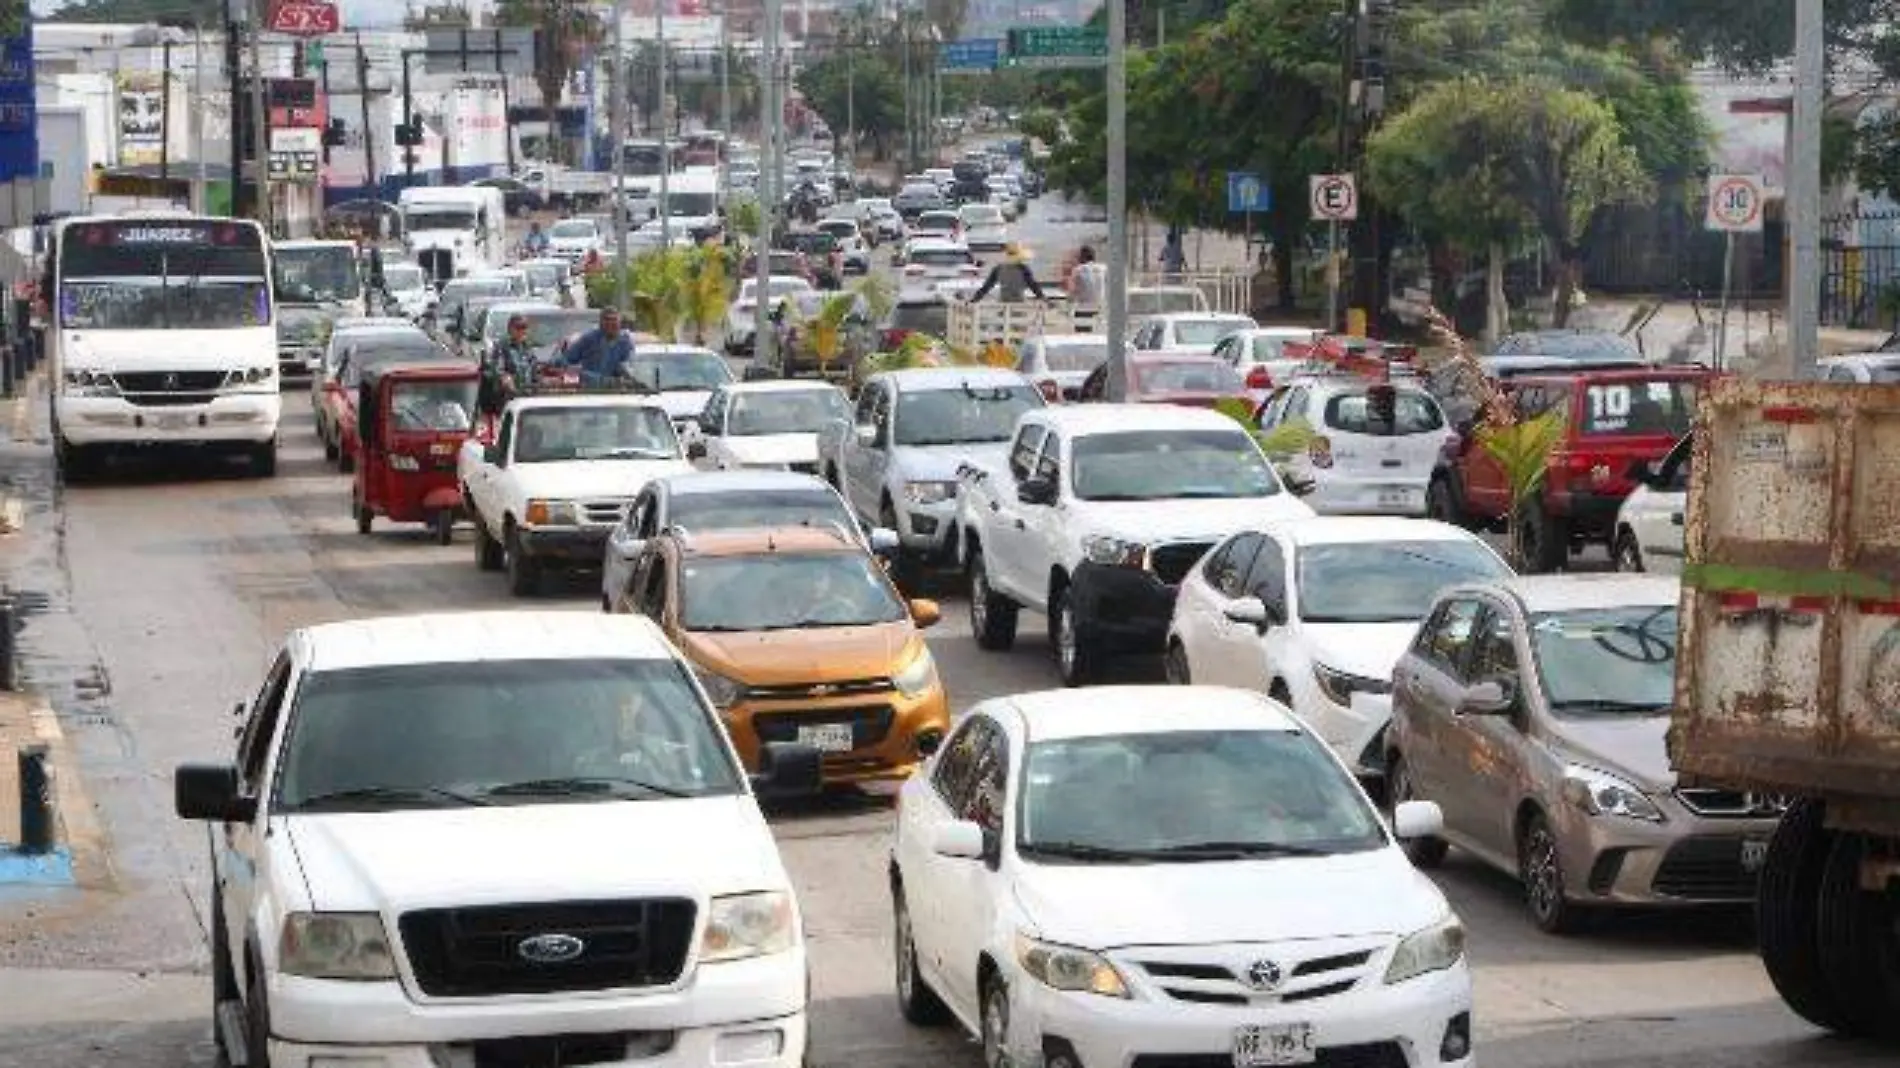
<point>164,332</point>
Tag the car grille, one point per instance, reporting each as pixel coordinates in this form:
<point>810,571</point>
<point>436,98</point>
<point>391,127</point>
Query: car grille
<point>807,468</point>
<point>1705,869</point>
<point>604,513</point>
<point>166,388</point>
<point>613,1047</point>
<point>869,724</point>
<point>475,952</point>
<point>805,691</point>
<point>1368,1055</point>
<point>1172,562</point>
<point>1220,984</point>
<point>1732,804</point>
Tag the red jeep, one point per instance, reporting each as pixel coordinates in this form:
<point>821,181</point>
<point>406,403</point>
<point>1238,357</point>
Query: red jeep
<point>1613,420</point>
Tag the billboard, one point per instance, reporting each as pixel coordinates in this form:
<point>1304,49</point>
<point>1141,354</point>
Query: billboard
<point>141,119</point>
<point>23,195</point>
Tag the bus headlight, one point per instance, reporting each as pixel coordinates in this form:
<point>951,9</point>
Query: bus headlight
<point>249,376</point>
<point>81,383</point>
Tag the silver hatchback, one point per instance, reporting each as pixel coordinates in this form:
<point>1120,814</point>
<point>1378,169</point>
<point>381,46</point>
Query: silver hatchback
<point>1533,711</point>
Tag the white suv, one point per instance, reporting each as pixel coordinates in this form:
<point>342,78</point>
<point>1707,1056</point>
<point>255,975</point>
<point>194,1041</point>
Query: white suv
<point>1124,877</point>
<point>445,838</point>
<point>1649,524</point>
<point>1370,455</point>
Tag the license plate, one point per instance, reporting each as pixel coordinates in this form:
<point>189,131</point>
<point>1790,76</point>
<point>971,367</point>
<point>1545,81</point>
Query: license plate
<point>173,421</point>
<point>1255,1047</point>
<point>827,737</point>
<point>1754,854</point>
<point>1395,498</point>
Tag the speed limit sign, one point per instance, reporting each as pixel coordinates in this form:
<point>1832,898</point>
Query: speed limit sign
<point>1735,203</point>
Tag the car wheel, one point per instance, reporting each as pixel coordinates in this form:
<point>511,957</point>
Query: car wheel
<point>1174,666</point>
<point>344,461</point>
<point>78,464</point>
<point>1541,867</point>
<point>524,578</point>
<point>995,1024</point>
<point>256,1020</point>
<point>224,986</point>
<point>1424,852</point>
<point>443,524</point>
<point>1858,942</point>
<point>992,615</point>
<point>1627,555</point>
<point>1075,653</point>
<point>329,447</point>
<point>1543,540</point>
<point>915,1000</point>
<point>488,552</point>
<point>1787,916</point>
<point>361,513</point>
<point>1442,506</point>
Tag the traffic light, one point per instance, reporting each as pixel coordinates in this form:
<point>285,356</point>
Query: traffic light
<point>408,134</point>
<point>333,134</point>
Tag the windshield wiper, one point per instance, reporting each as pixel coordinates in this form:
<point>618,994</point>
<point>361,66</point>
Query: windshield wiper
<point>1238,850</point>
<point>390,795</point>
<point>1084,851</point>
<point>1593,704</point>
<point>801,624</point>
<point>578,785</point>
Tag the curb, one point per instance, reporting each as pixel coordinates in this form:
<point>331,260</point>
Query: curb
<point>81,859</point>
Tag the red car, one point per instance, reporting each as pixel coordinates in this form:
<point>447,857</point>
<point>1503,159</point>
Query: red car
<point>1192,379</point>
<point>340,392</point>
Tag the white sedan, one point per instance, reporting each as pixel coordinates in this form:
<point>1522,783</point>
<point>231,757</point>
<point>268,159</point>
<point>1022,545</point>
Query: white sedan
<point>1188,331</point>
<point>1649,524</point>
<point>1314,613</point>
<point>742,316</point>
<point>767,424</point>
<point>1116,877</point>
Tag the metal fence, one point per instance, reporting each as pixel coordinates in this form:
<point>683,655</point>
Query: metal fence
<point>1860,270</point>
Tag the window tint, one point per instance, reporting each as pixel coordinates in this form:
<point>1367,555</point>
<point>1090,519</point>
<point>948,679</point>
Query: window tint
<point>1048,464</point>
<point>651,600</point>
<point>1227,569</point>
<point>958,765</point>
<point>1266,579</point>
<point>1496,653</point>
<point>1022,455</point>
<point>987,785</point>
<point>1450,635</point>
<point>254,745</point>
<point>1412,413</point>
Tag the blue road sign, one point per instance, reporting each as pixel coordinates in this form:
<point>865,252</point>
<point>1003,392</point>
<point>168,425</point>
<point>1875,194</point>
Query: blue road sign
<point>19,127</point>
<point>973,56</point>
<point>1247,192</point>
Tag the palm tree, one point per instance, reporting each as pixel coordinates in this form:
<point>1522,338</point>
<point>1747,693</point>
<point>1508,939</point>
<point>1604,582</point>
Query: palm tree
<point>567,28</point>
<point>702,291</point>
<point>655,283</point>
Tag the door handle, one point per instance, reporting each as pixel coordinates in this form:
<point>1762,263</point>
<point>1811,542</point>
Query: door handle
<point>1676,519</point>
<point>995,507</point>
<point>1020,525</point>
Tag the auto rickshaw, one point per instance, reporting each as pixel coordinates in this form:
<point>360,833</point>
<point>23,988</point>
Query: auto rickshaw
<point>413,419</point>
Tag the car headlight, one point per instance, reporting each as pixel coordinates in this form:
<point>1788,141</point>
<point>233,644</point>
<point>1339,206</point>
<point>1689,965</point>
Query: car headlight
<point>1067,968</point>
<point>917,676</point>
<point>335,945</point>
<point>91,384</point>
<point>1431,950</point>
<point>399,462</point>
<point>1114,552</point>
<point>1601,794</point>
<point>739,926</point>
<point>720,690</point>
<point>929,492</point>
<point>251,376</point>
<point>552,514</point>
<point>1339,686</point>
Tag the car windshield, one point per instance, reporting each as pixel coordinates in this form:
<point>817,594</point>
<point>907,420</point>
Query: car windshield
<point>692,205</point>
<point>424,407</point>
<point>983,215</point>
<point>1186,376</point>
<point>573,228</point>
<point>769,591</point>
<point>1187,796</point>
<point>178,303</point>
<point>786,411</point>
<point>679,371</point>
<point>320,273</point>
<point>743,509</point>
<point>547,328</point>
<point>962,414</point>
<point>1149,465</point>
<point>465,290</point>
<point>1664,407</point>
<point>931,318</point>
<point>1386,581</point>
<point>374,351</point>
<point>1204,333</point>
<point>403,278</point>
<point>1584,345</point>
<point>918,191</point>
<point>419,219</point>
<point>1074,355</point>
<point>1412,413</point>
<point>1607,661</point>
<point>1143,302</point>
<point>839,227</point>
<point>618,432</point>
<point>545,276</point>
<point>482,732</point>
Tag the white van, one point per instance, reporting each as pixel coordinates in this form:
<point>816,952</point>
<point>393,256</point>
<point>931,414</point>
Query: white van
<point>453,230</point>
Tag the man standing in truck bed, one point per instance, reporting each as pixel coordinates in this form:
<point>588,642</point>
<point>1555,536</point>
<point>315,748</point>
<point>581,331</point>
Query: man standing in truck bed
<point>602,353</point>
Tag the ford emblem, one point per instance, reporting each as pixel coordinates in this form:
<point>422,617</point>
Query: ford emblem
<point>550,949</point>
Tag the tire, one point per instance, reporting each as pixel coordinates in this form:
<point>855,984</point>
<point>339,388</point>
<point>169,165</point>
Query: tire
<point>906,569</point>
<point>916,1002</point>
<point>1425,853</point>
<point>256,1020</point>
<point>1541,869</point>
<point>1626,555</point>
<point>78,464</point>
<point>262,459</point>
<point>992,615</point>
<point>1077,659</point>
<point>443,524</point>
<point>1174,666</point>
<point>329,447</point>
<point>489,554</point>
<point>1543,539</point>
<point>994,1023</point>
<point>1441,504</point>
<point>344,461</point>
<point>1859,946</point>
<point>524,577</point>
<point>1787,919</point>
<point>224,985</point>
<point>361,513</point>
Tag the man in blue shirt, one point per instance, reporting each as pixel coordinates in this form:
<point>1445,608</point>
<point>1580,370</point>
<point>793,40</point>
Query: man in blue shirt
<point>601,354</point>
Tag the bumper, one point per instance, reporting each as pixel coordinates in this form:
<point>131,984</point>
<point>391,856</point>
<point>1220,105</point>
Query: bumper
<point>1334,495</point>
<point>924,529</point>
<point>1122,607</point>
<point>1690,860</point>
<point>297,365</point>
<point>1410,1018</point>
<point>245,418</point>
<point>885,727</point>
<point>581,546</point>
<point>709,1021</point>
<point>1589,514</point>
<point>1351,730</point>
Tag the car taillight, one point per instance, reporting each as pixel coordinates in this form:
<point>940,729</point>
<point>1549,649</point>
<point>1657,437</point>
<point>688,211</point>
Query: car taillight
<point>1258,378</point>
<point>1320,452</point>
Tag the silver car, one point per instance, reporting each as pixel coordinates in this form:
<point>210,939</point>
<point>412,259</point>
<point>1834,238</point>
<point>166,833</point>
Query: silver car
<point>1533,711</point>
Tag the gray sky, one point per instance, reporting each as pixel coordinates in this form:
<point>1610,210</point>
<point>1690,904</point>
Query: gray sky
<point>358,13</point>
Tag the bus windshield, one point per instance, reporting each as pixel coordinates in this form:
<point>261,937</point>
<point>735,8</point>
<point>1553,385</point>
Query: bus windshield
<point>169,274</point>
<point>644,159</point>
<point>310,274</point>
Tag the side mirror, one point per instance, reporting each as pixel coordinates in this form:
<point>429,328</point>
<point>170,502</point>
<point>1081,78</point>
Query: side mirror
<point>884,541</point>
<point>787,769</point>
<point>630,550</point>
<point>1040,491</point>
<point>958,839</point>
<point>925,613</point>
<point>696,450</point>
<point>210,792</point>
<point>867,435</point>
<point>1251,611</point>
<point>1413,820</point>
<point>1490,698</point>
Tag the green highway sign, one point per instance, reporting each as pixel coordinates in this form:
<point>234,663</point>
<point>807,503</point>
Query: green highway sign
<point>1057,47</point>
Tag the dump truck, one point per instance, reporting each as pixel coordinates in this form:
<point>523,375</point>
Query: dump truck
<point>1788,676</point>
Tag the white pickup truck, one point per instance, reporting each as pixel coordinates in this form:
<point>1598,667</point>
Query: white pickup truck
<point>896,461</point>
<point>1097,514</point>
<point>482,839</point>
<point>558,478</point>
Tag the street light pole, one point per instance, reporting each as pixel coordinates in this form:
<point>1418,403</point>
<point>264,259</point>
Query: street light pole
<point>617,117</point>
<point>771,116</point>
<point>1117,200</point>
<point>1804,190</point>
<point>725,102</point>
<point>666,153</point>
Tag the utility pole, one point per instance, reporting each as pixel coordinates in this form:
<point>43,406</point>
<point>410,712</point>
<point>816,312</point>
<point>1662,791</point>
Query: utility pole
<point>1804,190</point>
<point>666,143</point>
<point>617,112</point>
<point>1117,200</point>
<point>770,119</point>
<point>261,119</point>
<point>234,71</point>
<point>725,100</point>
<point>910,108</point>
<point>198,190</point>
<point>369,143</point>
<point>165,109</point>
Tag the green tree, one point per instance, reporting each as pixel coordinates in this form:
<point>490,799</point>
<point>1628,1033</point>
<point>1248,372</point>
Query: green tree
<point>208,13</point>
<point>567,29</point>
<point>863,87</point>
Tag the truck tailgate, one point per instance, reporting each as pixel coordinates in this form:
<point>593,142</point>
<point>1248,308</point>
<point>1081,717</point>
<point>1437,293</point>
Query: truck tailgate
<point>1788,676</point>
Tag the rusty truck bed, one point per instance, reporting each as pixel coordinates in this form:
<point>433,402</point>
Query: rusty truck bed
<point>1789,671</point>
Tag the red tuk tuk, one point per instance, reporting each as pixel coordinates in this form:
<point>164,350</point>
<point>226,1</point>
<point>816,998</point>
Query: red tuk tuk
<point>412,421</point>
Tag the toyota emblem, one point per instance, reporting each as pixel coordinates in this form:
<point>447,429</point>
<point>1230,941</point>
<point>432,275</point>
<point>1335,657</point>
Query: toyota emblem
<point>550,949</point>
<point>171,381</point>
<point>1265,975</point>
